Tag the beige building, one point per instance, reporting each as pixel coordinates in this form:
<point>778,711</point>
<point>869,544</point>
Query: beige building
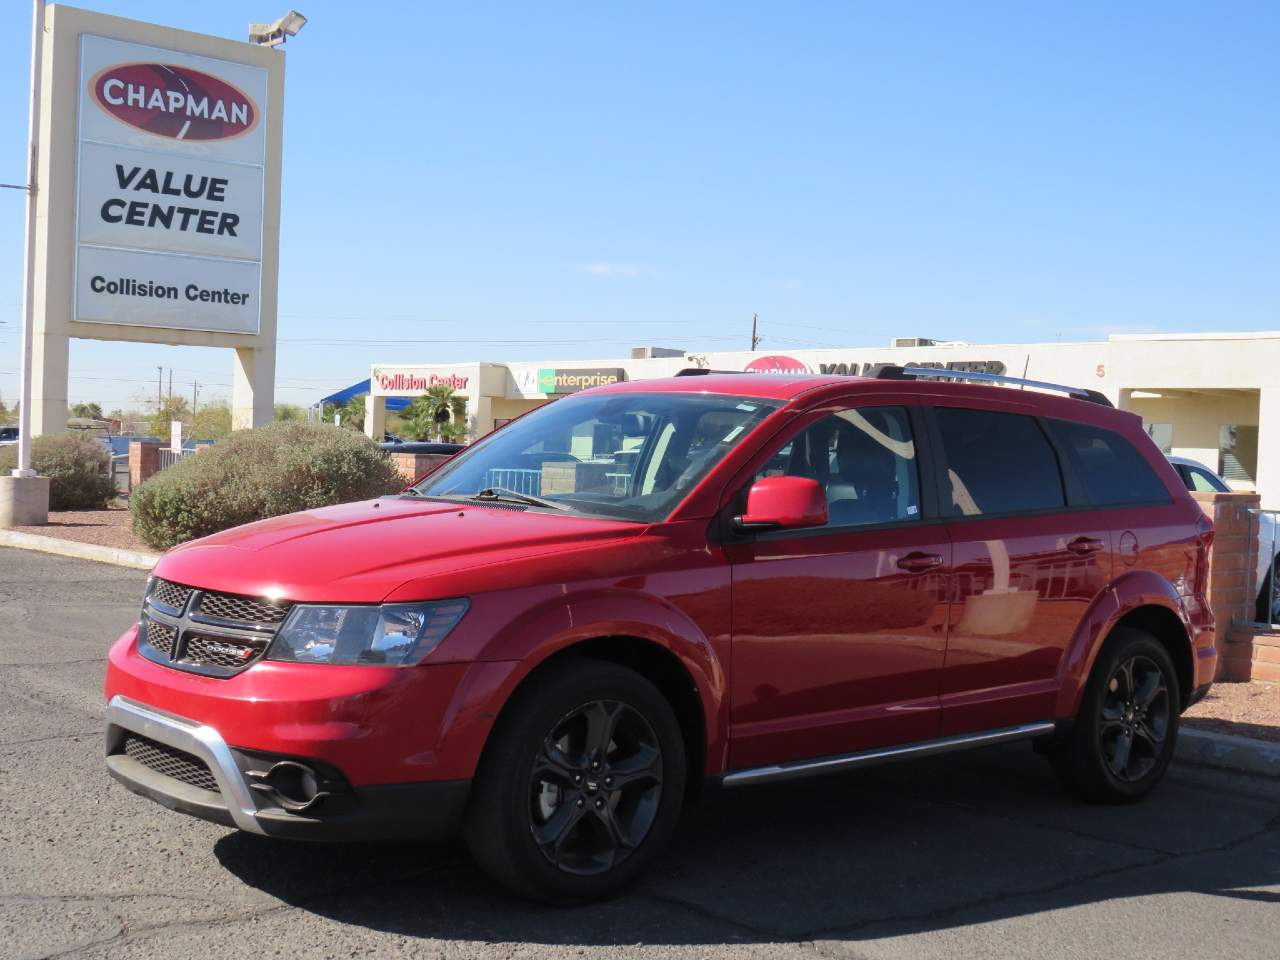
<point>1213,397</point>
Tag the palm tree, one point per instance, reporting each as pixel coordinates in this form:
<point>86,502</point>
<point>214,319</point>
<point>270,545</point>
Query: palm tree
<point>427,414</point>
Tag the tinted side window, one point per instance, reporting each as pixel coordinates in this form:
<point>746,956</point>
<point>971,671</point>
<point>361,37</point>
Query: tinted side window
<point>1110,467</point>
<point>865,460</point>
<point>997,463</point>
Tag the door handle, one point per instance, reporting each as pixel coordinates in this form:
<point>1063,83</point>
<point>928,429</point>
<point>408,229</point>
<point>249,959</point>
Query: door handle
<point>917,562</point>
<point>1083,546</point>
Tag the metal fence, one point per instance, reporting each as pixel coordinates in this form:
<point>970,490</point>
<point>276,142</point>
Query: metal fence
<point>528,482</point>
<point>168,457</point>
<point>1267,525</point>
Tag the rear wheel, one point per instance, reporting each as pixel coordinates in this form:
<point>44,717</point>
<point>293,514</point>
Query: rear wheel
<point>580,786</point>
<point>1124,735</point>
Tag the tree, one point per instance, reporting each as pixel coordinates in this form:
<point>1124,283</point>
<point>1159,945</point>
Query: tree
<point>353,413</point>
<point>290,411</point>
<point>212,421</point>
<point>173,408</point>
<point>92,411</point>
<point>429,412</point>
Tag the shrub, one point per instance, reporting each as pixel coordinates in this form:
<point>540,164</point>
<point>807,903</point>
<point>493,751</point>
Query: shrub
<point>255,474</point>
<point>78,467</point>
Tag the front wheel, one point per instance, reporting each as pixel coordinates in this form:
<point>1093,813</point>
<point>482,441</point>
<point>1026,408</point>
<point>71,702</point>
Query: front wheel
<point>580,786</point>
<point>1124,735</point>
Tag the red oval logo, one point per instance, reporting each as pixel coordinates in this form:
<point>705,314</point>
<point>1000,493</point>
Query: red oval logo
<point>176,102</point>
<point>776,363</point>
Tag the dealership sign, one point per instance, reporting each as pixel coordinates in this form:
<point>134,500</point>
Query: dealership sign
<point>170,188</point>
<point>415,381</point>
<point>776,363</point>
<point>571,380</point>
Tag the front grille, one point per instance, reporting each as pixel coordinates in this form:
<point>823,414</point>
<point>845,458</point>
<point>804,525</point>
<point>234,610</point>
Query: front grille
<point>206,631</point>
<point>171,594</point>
<point>161,637</point>
<point>220,651</point>
<point>170,762</point>
<point>257,611</point>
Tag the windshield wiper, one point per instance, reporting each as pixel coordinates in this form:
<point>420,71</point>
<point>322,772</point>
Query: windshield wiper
<point>502,493</point>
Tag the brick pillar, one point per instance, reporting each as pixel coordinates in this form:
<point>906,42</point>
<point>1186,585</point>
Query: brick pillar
<point>414,465</point>
<point>144,460</point>
<point>1232,564</point>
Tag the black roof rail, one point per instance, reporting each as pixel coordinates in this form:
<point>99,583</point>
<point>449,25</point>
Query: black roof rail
<point>892,372</point>
<point>703,372</point>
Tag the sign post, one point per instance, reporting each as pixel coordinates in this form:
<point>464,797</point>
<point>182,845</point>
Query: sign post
<point>24,497</point>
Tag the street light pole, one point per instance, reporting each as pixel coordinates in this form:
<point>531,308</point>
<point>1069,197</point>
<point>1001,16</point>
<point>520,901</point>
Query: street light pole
<point>29,249</point>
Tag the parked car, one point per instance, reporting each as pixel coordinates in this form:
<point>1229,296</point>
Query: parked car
<point>8,435</point>
<point>550,642</point>
<point>1198,477</point>
<point>422,446</point>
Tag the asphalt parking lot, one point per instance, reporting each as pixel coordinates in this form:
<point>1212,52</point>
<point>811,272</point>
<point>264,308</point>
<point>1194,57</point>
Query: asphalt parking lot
<point>974,855</point>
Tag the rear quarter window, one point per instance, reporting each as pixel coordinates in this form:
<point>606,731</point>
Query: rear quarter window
<point>1111,468</point>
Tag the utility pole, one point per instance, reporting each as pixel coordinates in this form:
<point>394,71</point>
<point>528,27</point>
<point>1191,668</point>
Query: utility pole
<point>755,340</point>
<point>159,389</point>
<point>171,386</point>
<point>195,392</point>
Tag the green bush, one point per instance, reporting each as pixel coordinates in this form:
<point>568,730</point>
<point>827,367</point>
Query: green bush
<point>255,474</point>
<point>78,467</point>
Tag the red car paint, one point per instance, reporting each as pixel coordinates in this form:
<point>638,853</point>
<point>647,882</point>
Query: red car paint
<point>797,648</point>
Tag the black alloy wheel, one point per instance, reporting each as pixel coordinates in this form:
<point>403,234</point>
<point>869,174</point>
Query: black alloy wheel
<point>1134,719</point>
<point>1122,739</point>
<point>595,787</point>
<point>580,785</point>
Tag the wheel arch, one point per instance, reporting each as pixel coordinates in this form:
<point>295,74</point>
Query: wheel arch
<point>1142,599</point>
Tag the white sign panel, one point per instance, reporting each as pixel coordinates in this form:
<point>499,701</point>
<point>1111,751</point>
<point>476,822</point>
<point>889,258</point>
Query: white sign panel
<point>170,188</point>
<point>159,290</point>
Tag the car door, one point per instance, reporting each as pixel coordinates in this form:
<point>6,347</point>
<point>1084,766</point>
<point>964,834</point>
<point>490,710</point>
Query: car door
<point>1026,568</point>
<point>839,632</point>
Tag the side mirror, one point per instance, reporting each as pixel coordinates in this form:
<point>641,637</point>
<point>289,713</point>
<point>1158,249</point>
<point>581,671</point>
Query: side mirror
<point>784,503</point>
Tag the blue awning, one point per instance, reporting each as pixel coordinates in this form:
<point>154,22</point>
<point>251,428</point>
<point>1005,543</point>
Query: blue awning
<point>361,388</point>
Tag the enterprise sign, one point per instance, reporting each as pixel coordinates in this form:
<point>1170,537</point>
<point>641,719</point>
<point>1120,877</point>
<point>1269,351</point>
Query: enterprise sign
<point>170,174</point>
<point>566,380</point>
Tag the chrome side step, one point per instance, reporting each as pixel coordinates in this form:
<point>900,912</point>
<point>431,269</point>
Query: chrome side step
<point>867,758</point>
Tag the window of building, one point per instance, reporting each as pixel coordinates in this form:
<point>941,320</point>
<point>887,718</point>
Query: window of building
<point>1238,452</point>
<point>998,463</point>
<point>1110,467</point>
<point>1161,435</point>
<point>865,460</point>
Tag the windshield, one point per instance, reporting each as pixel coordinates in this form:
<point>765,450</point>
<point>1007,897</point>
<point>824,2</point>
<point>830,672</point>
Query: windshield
<point>632,456</point>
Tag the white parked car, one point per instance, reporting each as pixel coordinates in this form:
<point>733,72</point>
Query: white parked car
<point>1199,477</point>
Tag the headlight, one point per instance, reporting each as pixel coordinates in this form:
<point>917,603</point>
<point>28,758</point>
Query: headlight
<point>392,635</point>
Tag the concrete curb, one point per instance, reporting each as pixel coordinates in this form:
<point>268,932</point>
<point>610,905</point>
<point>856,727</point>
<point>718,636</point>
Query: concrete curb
<point>81,551</point>
<point>1228,752</point>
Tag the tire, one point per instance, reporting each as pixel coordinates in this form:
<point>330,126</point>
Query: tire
<point>539,832</point>
<point>1093,762</point>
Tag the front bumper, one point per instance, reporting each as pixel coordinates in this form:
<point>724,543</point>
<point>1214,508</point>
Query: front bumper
<point>429,810</point>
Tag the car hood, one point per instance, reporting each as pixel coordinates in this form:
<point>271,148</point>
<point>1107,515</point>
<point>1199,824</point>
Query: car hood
<point>360,552</point>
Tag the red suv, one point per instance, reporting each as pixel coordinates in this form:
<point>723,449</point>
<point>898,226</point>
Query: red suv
<point>550,642</point>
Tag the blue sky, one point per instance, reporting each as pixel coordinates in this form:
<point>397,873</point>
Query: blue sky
<point>525,181</point>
